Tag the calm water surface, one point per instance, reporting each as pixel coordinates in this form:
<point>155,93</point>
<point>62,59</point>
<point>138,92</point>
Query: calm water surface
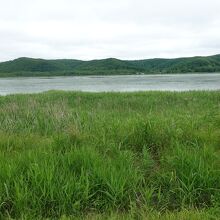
<point>168,82</point>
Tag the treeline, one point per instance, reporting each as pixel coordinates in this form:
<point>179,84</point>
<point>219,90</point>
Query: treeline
<point>111,66</point>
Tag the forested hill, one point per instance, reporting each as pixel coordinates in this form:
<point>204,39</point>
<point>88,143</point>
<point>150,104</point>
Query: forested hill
<point>34,67</point>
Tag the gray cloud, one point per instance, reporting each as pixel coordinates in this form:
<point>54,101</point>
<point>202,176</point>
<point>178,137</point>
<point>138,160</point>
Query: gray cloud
<point>127,29</point>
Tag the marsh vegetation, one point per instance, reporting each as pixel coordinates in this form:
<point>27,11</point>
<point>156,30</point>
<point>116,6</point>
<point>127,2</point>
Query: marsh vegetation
<point>150,155</point>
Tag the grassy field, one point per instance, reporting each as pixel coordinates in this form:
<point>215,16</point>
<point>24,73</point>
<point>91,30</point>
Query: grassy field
<point>72,155</point>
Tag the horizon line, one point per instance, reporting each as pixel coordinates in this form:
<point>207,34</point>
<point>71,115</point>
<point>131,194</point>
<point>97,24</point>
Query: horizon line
<point>106,58</point>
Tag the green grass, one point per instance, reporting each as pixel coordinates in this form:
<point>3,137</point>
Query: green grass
<point>146,155</point>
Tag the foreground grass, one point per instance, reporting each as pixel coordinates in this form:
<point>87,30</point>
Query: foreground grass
<point>149,155</point>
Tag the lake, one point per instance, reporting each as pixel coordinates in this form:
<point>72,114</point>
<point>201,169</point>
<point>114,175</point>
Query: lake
<point>168,82</point>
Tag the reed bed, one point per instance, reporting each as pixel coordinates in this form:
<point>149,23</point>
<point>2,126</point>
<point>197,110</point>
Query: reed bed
<point>144,155</point>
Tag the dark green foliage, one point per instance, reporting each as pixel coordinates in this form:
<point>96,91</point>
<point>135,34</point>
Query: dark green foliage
<point>180,65</point>
<point>40,67</point>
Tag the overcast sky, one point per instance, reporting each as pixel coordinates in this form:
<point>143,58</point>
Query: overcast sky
<point>93,29</point>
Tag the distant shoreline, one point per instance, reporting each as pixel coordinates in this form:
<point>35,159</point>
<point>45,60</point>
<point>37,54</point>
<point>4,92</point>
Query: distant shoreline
<point>110,66</point>
<point>29,75</point>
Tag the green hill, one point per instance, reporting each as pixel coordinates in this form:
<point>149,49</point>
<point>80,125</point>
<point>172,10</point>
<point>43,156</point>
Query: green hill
<point>34,67</point>
<point>30,66</point>
<point>180,65</point>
